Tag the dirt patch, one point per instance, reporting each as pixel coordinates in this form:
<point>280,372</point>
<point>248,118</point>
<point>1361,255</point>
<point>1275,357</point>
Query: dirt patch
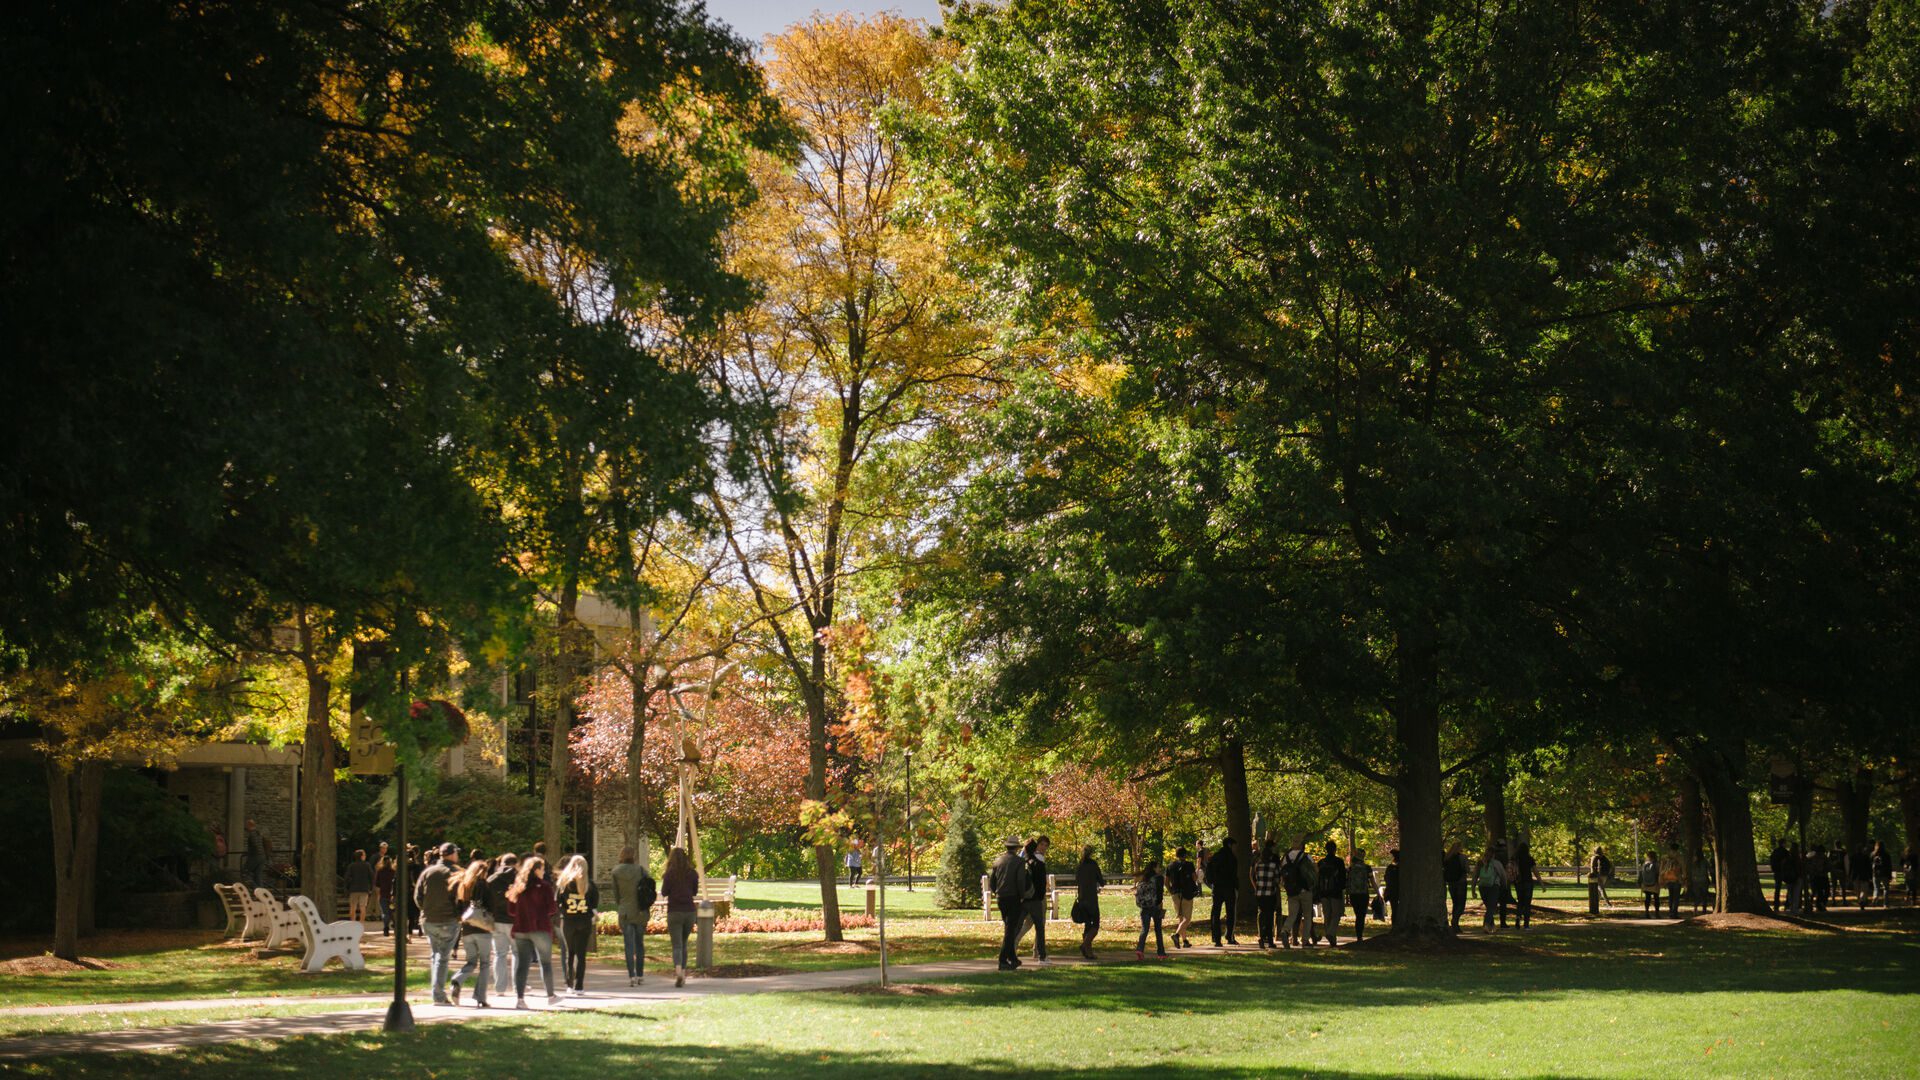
<point>1739,921</point>
<point>835,948</point>
<point>909,989</point>
<point>53,965</point>
<point>740,971</point>
<point>110,942</point>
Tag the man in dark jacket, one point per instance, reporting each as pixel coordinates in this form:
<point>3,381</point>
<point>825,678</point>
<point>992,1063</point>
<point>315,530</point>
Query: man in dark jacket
<point>1038,895</point>
<point>1007,882</point>
<point>439,917</point>
<point>1390,885</point>
<point>1223,873</point>
<point>497,884</point>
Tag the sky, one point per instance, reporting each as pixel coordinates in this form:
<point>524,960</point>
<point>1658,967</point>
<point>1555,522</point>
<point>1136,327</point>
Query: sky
<point>755,19</point>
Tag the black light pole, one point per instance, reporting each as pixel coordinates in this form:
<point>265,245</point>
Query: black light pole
<point>909,829</point>
<point>400,1014</point>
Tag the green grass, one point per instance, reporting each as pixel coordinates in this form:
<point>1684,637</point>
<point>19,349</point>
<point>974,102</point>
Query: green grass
<point>764,895</point>
<point>157,966</point>
<point>15,1027</point>
<point>1595,1000</point>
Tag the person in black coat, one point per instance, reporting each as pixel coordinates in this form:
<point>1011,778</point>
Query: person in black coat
<point>1007,884</point>
<point>1390,887</point>
<point>1223,873</point>
<point>1087,880</point>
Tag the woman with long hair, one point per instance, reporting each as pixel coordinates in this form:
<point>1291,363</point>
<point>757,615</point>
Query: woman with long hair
<point>1149,893</point>
<point>680,885</point>
<point>475,902</point>
<point>1087,880</point>
<point>579,898</point>
<point>530,898</point>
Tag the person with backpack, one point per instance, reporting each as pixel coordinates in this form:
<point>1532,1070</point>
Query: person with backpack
<point>1880,865</point>
<point>1149,895</point>
<point>1526,874</point>
<point>1087,880</point>
<point>1223,872</point>
<point>1649,878</point>
<point>1037,898</point>
<point>1007,881</point>
<point>1360,891</point>
<point>1453,871</point>
<point>1266,892</point>
<point>1493,890</point>
<point>1599,872</point>
<point>1182,885</point>
<point>1819,874</point>
<point>1673,877</point>
<point>1297,877</point>
<point>475,901</point>
<point>633,896</point>
<point>1330,887</point>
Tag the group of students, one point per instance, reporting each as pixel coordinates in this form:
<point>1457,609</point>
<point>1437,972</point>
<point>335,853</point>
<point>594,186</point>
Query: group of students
<point>1818,876</point>
<point>1317,892</point>
<point>503,913</point>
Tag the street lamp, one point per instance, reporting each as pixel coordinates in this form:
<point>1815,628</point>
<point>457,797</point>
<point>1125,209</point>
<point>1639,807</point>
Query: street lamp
<point>909,820</point>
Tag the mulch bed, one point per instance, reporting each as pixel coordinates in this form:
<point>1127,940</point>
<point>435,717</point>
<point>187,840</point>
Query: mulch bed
<point>739,971</point>
<point>53,965</point>
<point>909,989</point>
<point>1739,921</point>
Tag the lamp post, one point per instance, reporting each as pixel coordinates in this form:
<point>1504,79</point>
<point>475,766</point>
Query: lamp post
<point>909,821</point>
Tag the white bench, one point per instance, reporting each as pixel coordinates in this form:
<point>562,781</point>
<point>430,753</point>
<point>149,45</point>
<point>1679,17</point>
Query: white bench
<point>1052,894</point>
<point>327,940</point>
<point>719,890</point>
<point>233,901</point>
<point>275,921</point>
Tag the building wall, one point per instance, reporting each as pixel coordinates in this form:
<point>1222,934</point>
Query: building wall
<point>270,805</point>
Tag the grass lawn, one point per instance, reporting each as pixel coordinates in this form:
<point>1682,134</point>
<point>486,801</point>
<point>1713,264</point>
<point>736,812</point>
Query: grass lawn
<point>14,1027</point>
<point>161,965</point>
<point>1610,999</point>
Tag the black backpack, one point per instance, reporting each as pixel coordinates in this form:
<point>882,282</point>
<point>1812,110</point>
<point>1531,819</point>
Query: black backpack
<point>1181,881</point>
<point>1292,875</point>
<point>1334,882</point>
<point>644,894</point>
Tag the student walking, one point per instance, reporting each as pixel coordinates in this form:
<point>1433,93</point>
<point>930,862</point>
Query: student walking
<point>1526,874</point>
<point>1183,884</point>
<point>633,897</point>
<point>1223,873</point>
<point>1007,880</point>
<point>1266,892</point>
<point>473,897</point>
<point>1776,859</point>
<point>505,871</point>
<point>254,862</point>
<point>1910,866</point>
<point>1360,891</point>
<point>1149,895</point>
<point>383,877</point>
<point>578,899</point>
<point>1649,878</point>
<point>1390,886</point>
<point>1297,877</point>
<point>531,901</point>
<point>359,881</point>
<point>1819,878</point>
<point>1453,870</point>
<point>1789,871</point>
<point>680,885</point>
<point>1493,890</point>
<point>1037,895</point>
<point>1331,889</point>
<point>1880,866</point>
<point>1087,880</point>
<point>1673,876</point>
<point>853,865</point>
<point>439,919</point>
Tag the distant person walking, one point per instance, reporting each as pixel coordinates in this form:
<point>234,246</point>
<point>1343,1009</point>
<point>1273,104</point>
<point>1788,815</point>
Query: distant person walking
<point>1360,891</point>
<point>1673,878</point>
<point>1297,877</point>
<point>1087,881</point>
<point>1453,871</point>
<point>1223,874</point>
<point>1390,886</point>
<point>680,885</point>
<point>383,878</point>
<point>1910,866</point>
<point>439,919</point>
<point>579,899</point>
<point>1819,874</point>
<point>506,869</point>
<point>1183,884</point>
<point>1493,890</point>
<point>1880,865</point>
<point>1149,895</point>
<point>1649,878</point>
<point>1007,882</point>
<point>633,897</point>
<point>474,898</point>
<point>359,881</point>
<point>1775,860</point>
<point>1266,892</point>
<point>254,862</point>
<point>853,865</point>
<point>530,898</point>
<point>1526,874</point>
<point>1789,871</point>
<point>1599,872</point>
<point>1038,895</point>
<point>1330,889</point>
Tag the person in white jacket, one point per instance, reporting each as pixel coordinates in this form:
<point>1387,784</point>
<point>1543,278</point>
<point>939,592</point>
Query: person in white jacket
<point>1493,887</point>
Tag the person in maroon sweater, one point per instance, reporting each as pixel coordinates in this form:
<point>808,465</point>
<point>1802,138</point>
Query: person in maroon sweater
<point>530,900</point>
<point>679,884</point>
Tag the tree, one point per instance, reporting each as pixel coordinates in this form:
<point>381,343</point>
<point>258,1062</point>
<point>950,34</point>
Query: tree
<point>859,343</point>
<point>961,864</point>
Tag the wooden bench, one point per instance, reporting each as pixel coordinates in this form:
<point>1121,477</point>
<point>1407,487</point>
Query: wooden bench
<point>275,921</point>
<point>1052,894</point>
<point>327,940</point>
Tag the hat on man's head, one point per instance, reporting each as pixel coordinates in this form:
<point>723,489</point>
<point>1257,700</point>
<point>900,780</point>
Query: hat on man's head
<point>449,848</point>
<point>1013,841</point>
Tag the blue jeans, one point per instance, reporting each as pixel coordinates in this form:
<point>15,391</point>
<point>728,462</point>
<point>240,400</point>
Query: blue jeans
<point>441,938</point>
<point>479,947</point>
<point>527,946</point>
<point>679,925</point>
<point>502,957</point>
<point>634,936</point>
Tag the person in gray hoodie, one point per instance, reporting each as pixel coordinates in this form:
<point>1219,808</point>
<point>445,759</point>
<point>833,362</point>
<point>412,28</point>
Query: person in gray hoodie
<point>439,918</point>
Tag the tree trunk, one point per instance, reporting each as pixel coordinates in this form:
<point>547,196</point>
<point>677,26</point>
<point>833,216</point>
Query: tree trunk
<point>565,673</point>
<point>1493,794</point>
<point>638,674</point>
<point>319,757</point>
<point>1417,796</point>
<point>823,861</point>
<point>1719,765</point>
<point>1233,779</point>
<point>1690,815</point>
<point>73,793</point>
<point>1910,803</point>
<point>1855,796</point>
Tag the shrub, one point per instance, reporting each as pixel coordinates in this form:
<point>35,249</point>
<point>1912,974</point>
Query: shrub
<point>958,883</point>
